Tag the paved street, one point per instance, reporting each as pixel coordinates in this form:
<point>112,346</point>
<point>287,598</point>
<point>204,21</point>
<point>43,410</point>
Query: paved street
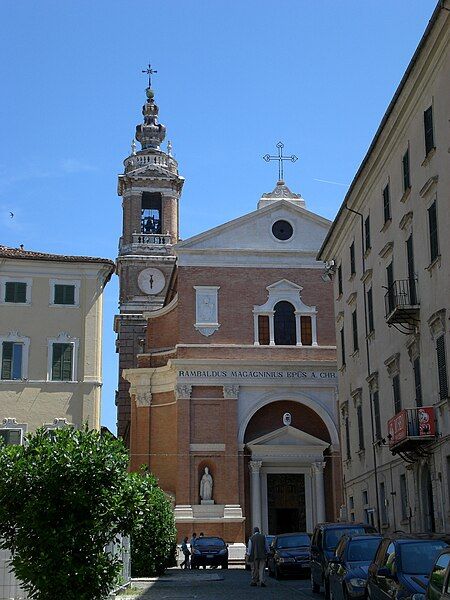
<point>218,585</point>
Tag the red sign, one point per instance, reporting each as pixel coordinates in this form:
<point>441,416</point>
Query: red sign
<point>427,425</point>
<point>397,428</point>
<point>411,423</point>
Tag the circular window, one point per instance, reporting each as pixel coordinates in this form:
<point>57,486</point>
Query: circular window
<point>282,230</point>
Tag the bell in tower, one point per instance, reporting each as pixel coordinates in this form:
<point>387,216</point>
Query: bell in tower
<point>150,187</point>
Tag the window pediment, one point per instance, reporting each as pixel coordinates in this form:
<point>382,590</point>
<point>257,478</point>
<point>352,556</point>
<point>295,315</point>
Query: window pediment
<point>284,290</point>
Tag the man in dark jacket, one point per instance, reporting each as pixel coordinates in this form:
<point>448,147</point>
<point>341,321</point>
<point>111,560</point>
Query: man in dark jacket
<point>257,552</point>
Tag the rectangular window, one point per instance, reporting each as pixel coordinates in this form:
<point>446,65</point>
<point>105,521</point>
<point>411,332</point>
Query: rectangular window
<point>396,392</point>
<point>406,175</point>
<point>428,128</point>
<point>403,497</point>
<point>352,259</point>
<point>383,504</point>
<point>390,286</point>
<point>365,498</point>
<point>355,331</point>
<point>151,211</point>
<point>359,414</point>
<point>263,330</point>
<point>11,437</point>
<point>62,358</point>
<point>347,437</point>
<point>386,204</point>
<point>417,381</point>
<point>306,331</point>
<point>12,360</point>
<point>433,232</point>
<point>351,503</point>
<point>340,280</point>
<point>367,243</point>
<point>342,348</point>
<point>376,414</point>
<point>15,291</point>
<point>411,271</point>
<point>442,367</point>
<point>64,294</point>
<point>370,321</point>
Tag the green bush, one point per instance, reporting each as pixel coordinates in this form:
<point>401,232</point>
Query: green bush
<point>62,500</point>
<point>153,540</point>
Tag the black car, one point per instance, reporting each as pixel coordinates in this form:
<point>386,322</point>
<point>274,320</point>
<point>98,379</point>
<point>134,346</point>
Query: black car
<point>289,553</point>
<point>439,580</point>
<point>325,539</point>
<point>402,565</point>
<point>209,551</point>
<point>347,570</point>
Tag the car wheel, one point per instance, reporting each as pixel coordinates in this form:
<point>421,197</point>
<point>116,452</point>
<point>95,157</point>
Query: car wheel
<point>315,588</point>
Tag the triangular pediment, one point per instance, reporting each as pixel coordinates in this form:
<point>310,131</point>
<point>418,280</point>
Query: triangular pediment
<point>288,436</point>
<point>284,285</point>
<point>253,232</point>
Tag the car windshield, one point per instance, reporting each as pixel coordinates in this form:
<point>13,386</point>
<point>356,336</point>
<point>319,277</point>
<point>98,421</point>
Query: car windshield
<point>332,536</point>
<point>362,550</point>
<point>209,541</point>
<point>417,557</point>
<point>293,541</point>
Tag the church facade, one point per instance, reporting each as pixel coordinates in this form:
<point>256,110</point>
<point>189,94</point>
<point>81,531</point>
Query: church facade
<point>233,394</point>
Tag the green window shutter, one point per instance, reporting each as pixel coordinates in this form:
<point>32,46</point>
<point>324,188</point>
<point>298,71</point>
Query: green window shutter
<point>15,291</point>
<point>67,362</point>
<point>376,411</point>
<point>59,294</point>
<point>428,127</point>
<point>360,427</point>
<point>7,353</point>
<point>64,294</point>
<point>57,362</point>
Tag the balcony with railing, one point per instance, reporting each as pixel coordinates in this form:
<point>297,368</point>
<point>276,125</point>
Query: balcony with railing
<point>411,428</point>
<point>402,302</point>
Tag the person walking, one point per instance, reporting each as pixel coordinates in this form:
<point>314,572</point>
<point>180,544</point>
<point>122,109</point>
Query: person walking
<point>186,553</point>
<point>257,551</point>
<point>192,544</point>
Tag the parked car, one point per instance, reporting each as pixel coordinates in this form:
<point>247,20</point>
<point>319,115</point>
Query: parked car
<point>439,581</point>
<point>269,540</point>
<point>347,570</point>
<point>402,565</point>
<point>209,551</point>
<point>289,553</point>
<point>325,539</point>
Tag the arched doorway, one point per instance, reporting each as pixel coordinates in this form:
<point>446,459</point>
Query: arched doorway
<point>290,469</point>
<point>426,487</point>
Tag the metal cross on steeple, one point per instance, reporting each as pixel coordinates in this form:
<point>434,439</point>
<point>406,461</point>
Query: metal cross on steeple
<point>149,72</point>
<point>280,159</point>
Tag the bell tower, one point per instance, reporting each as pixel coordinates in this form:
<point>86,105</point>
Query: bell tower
<point>150,187</point>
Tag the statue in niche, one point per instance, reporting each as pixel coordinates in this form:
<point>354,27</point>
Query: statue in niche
<point>206,487</point>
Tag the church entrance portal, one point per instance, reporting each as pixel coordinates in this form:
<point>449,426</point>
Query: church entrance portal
<point>286,502</point>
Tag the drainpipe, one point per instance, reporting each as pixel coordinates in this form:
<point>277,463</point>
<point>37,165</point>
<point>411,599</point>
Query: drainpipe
<point>369,372</point>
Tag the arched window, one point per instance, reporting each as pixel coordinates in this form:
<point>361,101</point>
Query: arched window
<point>284,324</point>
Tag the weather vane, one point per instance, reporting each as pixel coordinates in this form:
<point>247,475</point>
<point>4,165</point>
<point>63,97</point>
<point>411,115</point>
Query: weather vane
<point>280,158</point>
<point>149,71</point>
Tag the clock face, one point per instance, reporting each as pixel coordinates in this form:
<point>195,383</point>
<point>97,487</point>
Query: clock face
<point>151,281</point>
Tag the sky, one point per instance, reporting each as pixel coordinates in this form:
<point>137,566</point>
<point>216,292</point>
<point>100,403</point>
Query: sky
<point>234,78</point>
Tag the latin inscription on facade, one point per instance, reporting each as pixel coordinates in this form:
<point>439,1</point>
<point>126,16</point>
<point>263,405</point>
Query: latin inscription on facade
<point>251,374</point>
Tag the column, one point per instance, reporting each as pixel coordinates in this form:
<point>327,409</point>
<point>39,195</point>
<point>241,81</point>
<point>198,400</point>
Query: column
<point>255,492</point>
<point>317,469</point>
<point>298,328</point>
<point>314,330</point>
<point>271,330</point>
<point>256,329</point>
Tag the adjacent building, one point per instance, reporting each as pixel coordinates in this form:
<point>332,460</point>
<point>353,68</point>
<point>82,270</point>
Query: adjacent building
<point>388,252</point>
<point>50,340</point>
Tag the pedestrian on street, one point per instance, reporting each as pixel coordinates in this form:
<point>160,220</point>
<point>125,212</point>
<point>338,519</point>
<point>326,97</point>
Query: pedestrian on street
<point>186,553</point>
<point>257,551</point>
<point>192,544</point>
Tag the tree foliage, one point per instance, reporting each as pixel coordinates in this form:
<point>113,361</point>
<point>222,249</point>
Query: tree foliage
<point>62,500</point>
<point>153,540</point>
